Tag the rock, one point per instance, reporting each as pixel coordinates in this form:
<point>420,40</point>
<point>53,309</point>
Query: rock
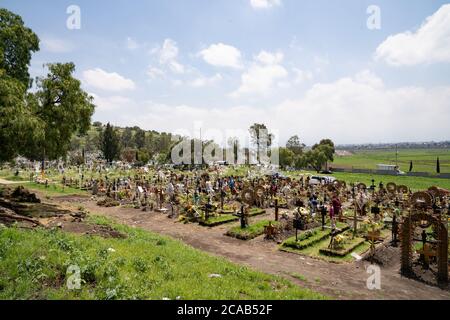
<point>215,275</point>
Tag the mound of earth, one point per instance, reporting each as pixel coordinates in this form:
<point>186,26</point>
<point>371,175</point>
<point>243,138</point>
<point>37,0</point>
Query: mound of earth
<point>108,202</point>
<point>24,195</point>
<point>20,194</point>
<point>74,225</point>
<point>386,256</point>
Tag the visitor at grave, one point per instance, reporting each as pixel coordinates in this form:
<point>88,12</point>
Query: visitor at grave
<point>336,203</point>
<point>332,216</point>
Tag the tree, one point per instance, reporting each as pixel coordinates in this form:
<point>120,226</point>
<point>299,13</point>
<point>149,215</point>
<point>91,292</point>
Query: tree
<point>128,155</point>
<point>126,139</point>
<point>325,146</point>
<point>17,43</point>
<point>261,138</point>
<point>109,143</point>
<point>294,145</point>
<point>17,124</point>
<point>287,157</point>
<point>233,144</point>
<point>139,138</point>
<point>62,108</point>
<point>316,158</point>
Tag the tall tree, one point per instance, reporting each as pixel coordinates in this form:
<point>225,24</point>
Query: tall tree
<point>233,144</point>
<point>317,158</point>
<point>295,145</point>
<point>287,157</point>
<point>109,143</point>
<point>62,108</point>
<point>325,146</point>
<point>261,138</point>
<point>139,138</point>
<point>17,44</point>
<point>126,139</point>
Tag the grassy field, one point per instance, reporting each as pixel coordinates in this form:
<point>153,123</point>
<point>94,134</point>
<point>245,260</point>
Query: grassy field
<point>415,183</point>
<point>424,160</point>
<point>33,265</point>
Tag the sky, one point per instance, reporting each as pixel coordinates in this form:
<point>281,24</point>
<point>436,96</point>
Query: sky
<point>354,71</point>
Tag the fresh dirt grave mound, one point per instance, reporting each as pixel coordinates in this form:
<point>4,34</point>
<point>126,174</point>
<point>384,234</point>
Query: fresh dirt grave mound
<point>19,194</point>
<point>25,203</point>
<point>108,202</point>
<point>67,224</point>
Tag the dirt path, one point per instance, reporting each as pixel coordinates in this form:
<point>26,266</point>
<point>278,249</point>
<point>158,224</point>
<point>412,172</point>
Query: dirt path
<point>3,181</point>
<point>340,281</point>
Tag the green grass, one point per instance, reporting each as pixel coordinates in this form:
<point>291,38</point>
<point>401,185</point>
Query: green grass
<point>54,189</point>
<point>424,160</point>
<point>254,230</point>
<point>415,183</point>
<point>216,221</point>
<point>299,277</point>
<point>33,265</point>
<point>310,238</point>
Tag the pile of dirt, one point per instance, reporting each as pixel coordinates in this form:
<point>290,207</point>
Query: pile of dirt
<point>386,256</point>
<point>20,194</point>
<point>24,195</point>
<point>74,225</point>
<point>108,202</point>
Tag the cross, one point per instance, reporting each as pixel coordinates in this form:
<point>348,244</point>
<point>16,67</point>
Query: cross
<point>427,252</point>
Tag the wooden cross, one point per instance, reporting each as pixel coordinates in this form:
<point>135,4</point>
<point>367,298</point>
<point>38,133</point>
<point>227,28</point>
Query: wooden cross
<point>427,252</point>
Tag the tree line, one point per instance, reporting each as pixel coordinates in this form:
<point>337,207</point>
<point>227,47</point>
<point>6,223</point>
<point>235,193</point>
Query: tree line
<point>37,116</point>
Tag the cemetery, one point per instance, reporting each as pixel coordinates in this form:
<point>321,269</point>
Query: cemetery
<point>92,210</point>
<point>333,222</point>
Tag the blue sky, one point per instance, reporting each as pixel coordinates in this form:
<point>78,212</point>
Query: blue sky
<point>311,68</point>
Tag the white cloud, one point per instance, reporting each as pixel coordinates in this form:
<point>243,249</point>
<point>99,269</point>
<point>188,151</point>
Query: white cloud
<point>100,79</point>
<point>168,55</point>
<point>302,76</point>
<point>55,45</point>
<point>356,109</point>
<point>112,103</point>
<point>222,55</point>
<point>155,73</point>
<point>262,75</point>
<point>265,57</point>
<point>265,4</point>
<point>429,44</point>
<point>205,81</point>
<point>360,109</point>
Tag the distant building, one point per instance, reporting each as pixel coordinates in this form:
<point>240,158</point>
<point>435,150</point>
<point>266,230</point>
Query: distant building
<point>387,167</point>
